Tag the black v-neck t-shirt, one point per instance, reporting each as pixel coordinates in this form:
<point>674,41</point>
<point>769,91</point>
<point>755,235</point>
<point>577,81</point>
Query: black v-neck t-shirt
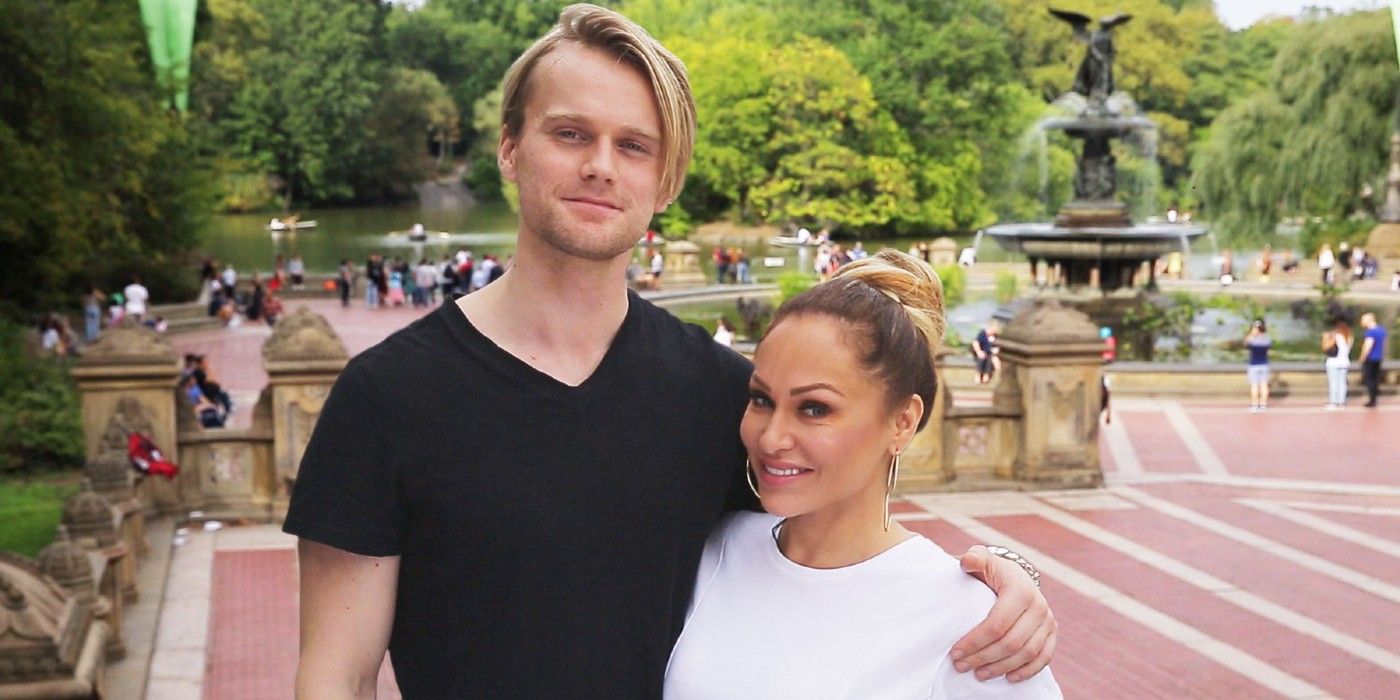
<point>548,534</point>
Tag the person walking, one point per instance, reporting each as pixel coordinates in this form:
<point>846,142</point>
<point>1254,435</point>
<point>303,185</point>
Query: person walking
<point>425,281</point>
<point>1372,352</point>
<point>1257,341</point>
<point>437,533</point>
<point>229,277</point>
<point>1325,262</point>
<point>92,312</point>
<point>296,268</point>
<point>1336,344</point>
<point>344,281</point>
<point>374,280</point>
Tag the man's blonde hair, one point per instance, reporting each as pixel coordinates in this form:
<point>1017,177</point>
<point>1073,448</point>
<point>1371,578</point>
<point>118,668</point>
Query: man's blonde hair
<point>605,30</point>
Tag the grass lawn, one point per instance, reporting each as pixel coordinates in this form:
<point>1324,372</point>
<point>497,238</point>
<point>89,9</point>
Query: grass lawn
<point>30,507</point>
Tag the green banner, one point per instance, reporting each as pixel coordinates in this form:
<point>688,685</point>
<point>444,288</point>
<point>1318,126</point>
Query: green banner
<point>170,32</point>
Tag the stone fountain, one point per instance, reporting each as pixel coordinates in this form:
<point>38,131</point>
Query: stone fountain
<point>1093,242</point>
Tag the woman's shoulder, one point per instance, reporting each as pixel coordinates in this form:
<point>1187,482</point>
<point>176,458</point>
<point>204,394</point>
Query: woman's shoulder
<point>743,526</point>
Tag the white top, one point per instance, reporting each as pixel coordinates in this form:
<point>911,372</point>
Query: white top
<point>1343,358</point>
<point>136,296</point>
<point>762,626</point>
<point>425,275</point>
<point>724,336</point>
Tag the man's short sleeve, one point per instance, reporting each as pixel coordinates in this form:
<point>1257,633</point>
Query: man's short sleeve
<point>347,494</point>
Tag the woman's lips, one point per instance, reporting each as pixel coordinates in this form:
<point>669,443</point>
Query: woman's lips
<point>778,473</point>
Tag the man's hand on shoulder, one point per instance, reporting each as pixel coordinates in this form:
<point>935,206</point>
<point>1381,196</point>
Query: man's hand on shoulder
<point>1018,637</point>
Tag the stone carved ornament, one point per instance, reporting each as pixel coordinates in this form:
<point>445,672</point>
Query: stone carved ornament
<point>1050,323</point>
<point>67,563</point>
<point>129,417</point>
<point>42,629</point>
<point>129,343</point>
<point>303,335</point>
<point>88,514</point>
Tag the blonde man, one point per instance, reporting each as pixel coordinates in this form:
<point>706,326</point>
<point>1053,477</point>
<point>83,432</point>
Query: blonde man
<point>547,547</point>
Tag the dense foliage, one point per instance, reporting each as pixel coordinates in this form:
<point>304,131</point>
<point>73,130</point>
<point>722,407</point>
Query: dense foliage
<point>97,178</point>
<point>1317,132</point>
<point>40,424</point>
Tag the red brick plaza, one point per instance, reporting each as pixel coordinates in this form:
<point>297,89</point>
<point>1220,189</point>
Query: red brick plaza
<point>1232,555</point>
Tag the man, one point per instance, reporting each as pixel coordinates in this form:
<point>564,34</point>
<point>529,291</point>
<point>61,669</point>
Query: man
<point>374,280</point>
<point>1372,351</point>
<point>547,547</point>
<point>136,297</point>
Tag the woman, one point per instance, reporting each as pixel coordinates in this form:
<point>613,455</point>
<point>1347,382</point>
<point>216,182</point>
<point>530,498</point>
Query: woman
<point>92,312</point>
<point>825,596</point>
<point>1336,344</point>
<point>1257,341</point>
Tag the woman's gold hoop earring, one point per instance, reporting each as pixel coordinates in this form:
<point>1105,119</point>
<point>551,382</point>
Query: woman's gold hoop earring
<point>890,480</point>
<point>748,476</point>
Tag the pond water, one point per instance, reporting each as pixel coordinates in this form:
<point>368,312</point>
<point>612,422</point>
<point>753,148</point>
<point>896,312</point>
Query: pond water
<point>244,240</point>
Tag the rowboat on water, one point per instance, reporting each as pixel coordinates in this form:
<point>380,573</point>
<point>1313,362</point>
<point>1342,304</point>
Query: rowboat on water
<point>793,242</point>
<point>418,234</point>
<point>289,225</point>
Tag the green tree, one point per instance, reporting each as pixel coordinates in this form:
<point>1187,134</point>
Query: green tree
<point>793,133</point>
<point>1307,142</point>
<point>97,180</point>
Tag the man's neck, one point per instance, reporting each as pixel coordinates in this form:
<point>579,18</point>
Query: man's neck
<point>557,313</point>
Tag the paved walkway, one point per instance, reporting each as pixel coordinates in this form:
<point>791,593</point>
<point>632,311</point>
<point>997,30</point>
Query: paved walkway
<point>1231,555</point>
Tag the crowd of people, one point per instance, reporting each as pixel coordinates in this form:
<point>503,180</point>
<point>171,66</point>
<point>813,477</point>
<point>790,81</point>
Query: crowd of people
<point>397,282</point>
<point>1349,264</point>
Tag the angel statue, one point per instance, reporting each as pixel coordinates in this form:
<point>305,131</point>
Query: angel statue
<point>1095,77</point>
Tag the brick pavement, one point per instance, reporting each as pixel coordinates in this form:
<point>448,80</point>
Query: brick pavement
<point>1230,555</point>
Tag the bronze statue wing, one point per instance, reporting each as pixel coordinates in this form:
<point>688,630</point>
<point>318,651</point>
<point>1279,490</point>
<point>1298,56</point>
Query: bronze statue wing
<point>1114,20</point>
<point>1076,20</point>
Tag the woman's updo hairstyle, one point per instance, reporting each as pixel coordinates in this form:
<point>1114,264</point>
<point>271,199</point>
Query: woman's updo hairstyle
<point>893,303</point>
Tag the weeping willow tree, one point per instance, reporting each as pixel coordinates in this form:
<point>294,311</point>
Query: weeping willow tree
<point>1308,141</point>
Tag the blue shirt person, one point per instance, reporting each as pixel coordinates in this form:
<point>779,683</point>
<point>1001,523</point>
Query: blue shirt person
<point>1372,352</point>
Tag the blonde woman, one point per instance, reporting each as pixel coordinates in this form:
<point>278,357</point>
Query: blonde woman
<point>824,596</point>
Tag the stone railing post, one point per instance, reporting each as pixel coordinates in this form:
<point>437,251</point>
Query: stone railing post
<point>1053,367</point>
<point>682,265</point>
<point>127,380</point>
<point>303,358</point>
<point>112,478</point>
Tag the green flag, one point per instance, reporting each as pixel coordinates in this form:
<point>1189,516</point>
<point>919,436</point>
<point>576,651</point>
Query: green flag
<point>170,32</point>
<point>1395,21</point>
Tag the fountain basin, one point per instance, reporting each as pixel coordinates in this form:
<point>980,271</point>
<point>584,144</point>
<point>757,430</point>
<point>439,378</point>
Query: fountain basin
<point>1135,242</point>
<point>1111,124</point>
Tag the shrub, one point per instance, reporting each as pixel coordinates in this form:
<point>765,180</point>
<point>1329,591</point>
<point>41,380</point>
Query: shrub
<point>792,283</point>
<point>954,279</point>
<point>1333,232</point>
<point>40,418</point>
<point>1008,286</point>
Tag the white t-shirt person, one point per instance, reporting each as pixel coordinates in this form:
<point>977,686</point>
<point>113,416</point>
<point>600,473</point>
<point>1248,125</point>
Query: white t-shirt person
<point>762,626</point>
<point>136,297</point>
